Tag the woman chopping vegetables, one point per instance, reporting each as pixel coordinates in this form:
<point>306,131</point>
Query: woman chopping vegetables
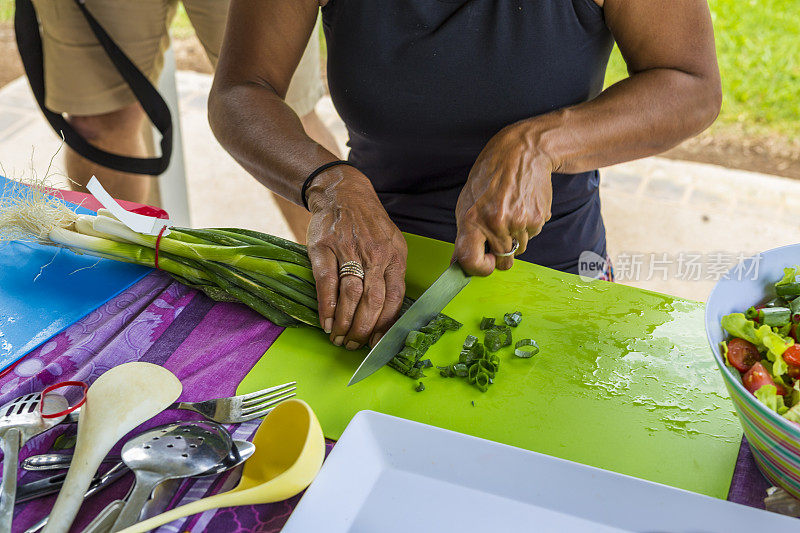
<point>479,122</point>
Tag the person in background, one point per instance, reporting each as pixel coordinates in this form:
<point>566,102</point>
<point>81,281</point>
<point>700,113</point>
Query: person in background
<point>82,82</point>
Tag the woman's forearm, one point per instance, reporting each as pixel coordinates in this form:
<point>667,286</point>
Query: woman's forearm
<point>265,136</point>
<point>673,91</point>
<point>640,116</point>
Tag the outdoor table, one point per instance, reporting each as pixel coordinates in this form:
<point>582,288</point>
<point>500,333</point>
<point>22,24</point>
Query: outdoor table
<point>160,321</point>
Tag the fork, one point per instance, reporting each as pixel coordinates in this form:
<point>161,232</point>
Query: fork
<point>233,410</point>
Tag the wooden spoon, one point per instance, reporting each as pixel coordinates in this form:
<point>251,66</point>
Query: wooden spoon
<point>118,401</point>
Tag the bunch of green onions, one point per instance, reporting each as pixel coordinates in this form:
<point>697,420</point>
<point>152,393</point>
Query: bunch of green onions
<point>269,274</point>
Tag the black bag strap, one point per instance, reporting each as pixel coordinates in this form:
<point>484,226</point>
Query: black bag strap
<point>29,41</point>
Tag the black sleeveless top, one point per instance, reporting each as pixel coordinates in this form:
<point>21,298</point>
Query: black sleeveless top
<point>422,85</point>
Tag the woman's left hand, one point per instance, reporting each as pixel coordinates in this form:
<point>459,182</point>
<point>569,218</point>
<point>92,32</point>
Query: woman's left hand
<point>507,196</point>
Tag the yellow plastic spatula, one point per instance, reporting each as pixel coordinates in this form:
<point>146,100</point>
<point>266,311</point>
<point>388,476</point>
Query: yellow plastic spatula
<point>289,453</point>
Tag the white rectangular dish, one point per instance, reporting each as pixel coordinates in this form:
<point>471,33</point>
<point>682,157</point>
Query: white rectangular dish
<point>387,474</point>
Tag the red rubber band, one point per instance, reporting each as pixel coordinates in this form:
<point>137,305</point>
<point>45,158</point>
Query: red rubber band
<point>158,243</point>
<point>61,385</point>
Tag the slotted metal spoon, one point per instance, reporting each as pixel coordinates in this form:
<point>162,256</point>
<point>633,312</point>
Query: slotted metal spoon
<point>20,420</point>
<point>179,450</point>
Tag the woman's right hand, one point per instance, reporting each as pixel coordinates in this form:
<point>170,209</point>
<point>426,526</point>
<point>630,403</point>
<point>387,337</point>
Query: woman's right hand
<point>348,223</point>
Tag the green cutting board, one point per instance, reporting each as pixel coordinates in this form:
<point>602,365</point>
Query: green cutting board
<point>624,380</point>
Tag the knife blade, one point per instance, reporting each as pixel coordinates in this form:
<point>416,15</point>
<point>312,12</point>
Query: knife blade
<point>430,304</point>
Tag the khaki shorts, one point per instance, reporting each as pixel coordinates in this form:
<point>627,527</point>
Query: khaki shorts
<point>81,80</point>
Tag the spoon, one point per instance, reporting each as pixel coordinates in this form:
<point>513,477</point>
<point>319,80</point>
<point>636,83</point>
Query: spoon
<point>245,450</point>
<point>118,401</point>
<point>289,453</point>
<point>163,493</point>
<point>20,420</point>
<point>179,450</point>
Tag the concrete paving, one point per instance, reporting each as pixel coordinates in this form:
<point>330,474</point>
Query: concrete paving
<point>673,226</point>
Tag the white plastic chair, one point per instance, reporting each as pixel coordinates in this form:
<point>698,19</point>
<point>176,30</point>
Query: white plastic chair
<point>172,183</point>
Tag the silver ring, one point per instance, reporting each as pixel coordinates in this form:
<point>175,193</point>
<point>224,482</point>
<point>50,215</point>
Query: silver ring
<point>351,268</point>
<point>514,248</point>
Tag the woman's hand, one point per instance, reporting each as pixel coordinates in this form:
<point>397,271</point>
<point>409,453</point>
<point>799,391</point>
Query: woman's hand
<point>348,223</point>
<point>507,196</point>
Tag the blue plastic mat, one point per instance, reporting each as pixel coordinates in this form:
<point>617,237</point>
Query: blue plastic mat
<point>70,286</point>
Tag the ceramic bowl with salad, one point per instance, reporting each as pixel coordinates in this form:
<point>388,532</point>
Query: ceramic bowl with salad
<point>753,327</point>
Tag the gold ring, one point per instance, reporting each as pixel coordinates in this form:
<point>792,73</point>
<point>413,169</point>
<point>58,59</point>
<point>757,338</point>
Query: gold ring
<point>514,248</point>
<point>351,268</point>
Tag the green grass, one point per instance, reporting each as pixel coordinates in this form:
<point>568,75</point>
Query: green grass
<point>6,10</point>
<point>758,45</point>
<point>181,27</point>
<point>758,48</point>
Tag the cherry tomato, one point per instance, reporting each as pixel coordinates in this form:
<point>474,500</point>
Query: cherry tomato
<point>757,377</point>
<point>793,330</point>
<point>792,355</point>
<point>742,354</point>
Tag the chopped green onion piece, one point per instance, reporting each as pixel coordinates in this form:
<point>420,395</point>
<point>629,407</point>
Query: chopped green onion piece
<point>489,368</point>
<point>519,350</point>
<point>431,329</point>
<point>460,370</point>
<point>447,323</point>
<point>777,302</point>
<point>470,341</point>
<point>420,387</point>
<point>497,337</point>
<point>751,313</point>
<point>492,341</point>
<point>775,316</point>
<point>482,381</point>
<point>409,354</point>
<point>478,351</point>
<point>789,290</point>
<point>415,339</point>
<point>487,322</point>
<point>512,319</point>
<point>472,373</point>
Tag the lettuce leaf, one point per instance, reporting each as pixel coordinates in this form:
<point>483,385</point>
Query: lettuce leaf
<point>793,414</point>
<point>779,368</point>
<point>724,348</point>
<point>789,275</point>
<point>737,325</point>
<point>768,395</point>
<point>794,395</point>
<point>763,337</point>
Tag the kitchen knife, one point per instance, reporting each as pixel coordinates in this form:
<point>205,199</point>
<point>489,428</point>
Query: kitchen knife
<point>419,314</point>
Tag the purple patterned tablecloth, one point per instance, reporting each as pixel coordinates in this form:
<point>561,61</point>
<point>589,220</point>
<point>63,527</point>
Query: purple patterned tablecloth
<point>210,346</point>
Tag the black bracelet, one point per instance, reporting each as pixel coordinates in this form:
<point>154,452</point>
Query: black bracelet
<point>319,170</point>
